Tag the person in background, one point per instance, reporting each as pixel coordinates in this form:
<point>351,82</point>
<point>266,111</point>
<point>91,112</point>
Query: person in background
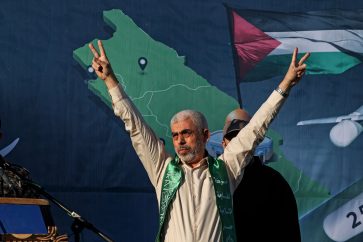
<point>264,205</point>
<point>13,179</point>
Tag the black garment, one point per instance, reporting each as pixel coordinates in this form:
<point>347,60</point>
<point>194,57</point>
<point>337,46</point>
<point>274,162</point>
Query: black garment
<point>13,181</point>
<point>265,207</point>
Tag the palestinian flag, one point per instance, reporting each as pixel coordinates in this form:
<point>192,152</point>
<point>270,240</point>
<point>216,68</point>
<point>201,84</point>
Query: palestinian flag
<point>263,41</point>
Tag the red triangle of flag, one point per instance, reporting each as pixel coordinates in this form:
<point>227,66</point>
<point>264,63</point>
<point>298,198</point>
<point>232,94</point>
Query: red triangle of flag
<point>250,43</point>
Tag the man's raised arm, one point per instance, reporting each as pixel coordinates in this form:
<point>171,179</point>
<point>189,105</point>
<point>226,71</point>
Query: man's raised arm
<point>240,150</point>
<point>147,145</point>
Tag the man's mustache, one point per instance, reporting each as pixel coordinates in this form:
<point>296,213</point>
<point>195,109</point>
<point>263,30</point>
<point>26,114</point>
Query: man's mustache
<point>184,147</point>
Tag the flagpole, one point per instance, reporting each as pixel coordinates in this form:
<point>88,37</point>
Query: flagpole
<point>235,57</point>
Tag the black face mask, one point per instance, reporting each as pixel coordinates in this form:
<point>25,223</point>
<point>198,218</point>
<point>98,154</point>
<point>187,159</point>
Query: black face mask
<point>229,136</point>
<point>234,127</point>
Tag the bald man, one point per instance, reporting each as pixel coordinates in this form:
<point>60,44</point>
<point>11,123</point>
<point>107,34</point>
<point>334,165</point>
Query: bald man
<point>264,204</point>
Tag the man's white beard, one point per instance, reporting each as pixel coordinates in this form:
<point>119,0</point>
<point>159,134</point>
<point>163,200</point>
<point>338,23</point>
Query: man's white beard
<point>190,156</point>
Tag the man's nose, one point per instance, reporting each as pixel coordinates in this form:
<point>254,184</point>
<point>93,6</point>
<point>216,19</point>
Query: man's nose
<point>181,140</point>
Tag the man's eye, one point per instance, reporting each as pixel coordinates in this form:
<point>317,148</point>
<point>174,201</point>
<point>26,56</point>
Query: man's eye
<point>186,133</point>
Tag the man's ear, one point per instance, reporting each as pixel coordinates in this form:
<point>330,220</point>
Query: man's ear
<point>206,135</point>
<point>224,144</point>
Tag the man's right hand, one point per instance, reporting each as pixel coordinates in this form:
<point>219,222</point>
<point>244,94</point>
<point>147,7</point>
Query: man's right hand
<point>102,66</point>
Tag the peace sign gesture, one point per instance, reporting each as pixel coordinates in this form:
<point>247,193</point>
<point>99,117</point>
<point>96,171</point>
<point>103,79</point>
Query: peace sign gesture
<point>294,73</point>
<point>296,69</point>
<point>100,63</point>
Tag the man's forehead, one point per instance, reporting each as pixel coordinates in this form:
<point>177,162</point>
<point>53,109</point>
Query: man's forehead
<point>182,125</point>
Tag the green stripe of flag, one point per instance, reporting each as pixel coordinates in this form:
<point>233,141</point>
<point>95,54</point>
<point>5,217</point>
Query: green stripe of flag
<point>318,63</point>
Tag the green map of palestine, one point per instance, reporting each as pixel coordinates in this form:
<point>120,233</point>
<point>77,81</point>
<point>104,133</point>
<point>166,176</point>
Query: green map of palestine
<point>167,85</point>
